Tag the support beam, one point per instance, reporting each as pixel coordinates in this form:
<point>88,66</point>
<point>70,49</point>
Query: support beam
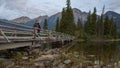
<point>5,46</point>
<point>4,36</point>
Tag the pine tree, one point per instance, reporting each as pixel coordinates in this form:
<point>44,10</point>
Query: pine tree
<point>93,24</point>
<point>88,23</point>
<point>62,21</point>
<point>113,29</point>
<point>57,25</point>
<point>79,29</point>
<point>100,24</point>
<point>45,27</point>
<point>70,29</point>
<point>110,29</point>
<point>106,26</point>
<point>67,24</point>
<point>68,4</point>
<point>79,25</point>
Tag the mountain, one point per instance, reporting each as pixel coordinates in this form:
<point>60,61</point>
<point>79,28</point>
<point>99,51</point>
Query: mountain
<point>52,19</point>
<point>115,16</point>
<point>77,14</point>
<point>31,22</point>
<point>21,19</point>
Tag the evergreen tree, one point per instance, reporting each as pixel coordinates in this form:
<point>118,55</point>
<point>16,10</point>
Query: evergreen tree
<point>45,27</point>
<point>110,29</point>
<point>93,24</point>
<point>68,4</point>
<point>70,29</point>
<point>67,24</point>
<point>57,25</point>
<point>80,31</point>
<point>113,29</point>
<point>107,26</point>
<point>62,21</point>
<point>79,25</point>
<point>88,23</point>
<point>100,24</point>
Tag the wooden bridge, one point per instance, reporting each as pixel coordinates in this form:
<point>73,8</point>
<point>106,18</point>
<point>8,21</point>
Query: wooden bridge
<point>13,35</point>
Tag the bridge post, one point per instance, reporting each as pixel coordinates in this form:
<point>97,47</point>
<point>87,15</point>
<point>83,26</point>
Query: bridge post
<point>15,33</point>
<point>62,39</point>
<point>4,35</point>
<point>36,30</point>
<point>50,35</point>
<point>34,33</point>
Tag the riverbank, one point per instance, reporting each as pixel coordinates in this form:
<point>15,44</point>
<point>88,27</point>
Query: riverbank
<point>58,58</point>
<point>80,55</point>
<point>98,40</point>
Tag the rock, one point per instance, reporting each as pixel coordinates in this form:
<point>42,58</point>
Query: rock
<point>61,65</point>
<point>40,65</point>
<point>48,64</point>
<point>49,52</point>
<point>88,61</point>
<point>11,65</point>
<point>96,62</point>
<point>64,54</point>
<point>89,66</point>
<point>67,61</point>
<point>81,65</point>
<point>119,64</point>
<point>91,56</point>
<point>115,65</point>
<point>96,66</point>
<point>76,56</point>
<point>24,58</point>
<point>76,53</point>
<point>75,66</point>
<point>52,51</point>
<point>46,58</point>
<point>17,66</point>
<point>56,62</point>
<point>109,66</point>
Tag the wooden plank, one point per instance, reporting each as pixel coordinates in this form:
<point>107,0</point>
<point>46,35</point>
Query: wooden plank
<point>14,45</point>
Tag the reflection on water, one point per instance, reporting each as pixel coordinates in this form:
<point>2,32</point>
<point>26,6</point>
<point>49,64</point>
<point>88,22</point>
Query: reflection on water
<point>103,53</point>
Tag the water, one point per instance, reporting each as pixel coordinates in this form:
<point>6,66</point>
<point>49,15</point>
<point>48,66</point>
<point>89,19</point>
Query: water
<point>96,52</point>
<point>104,53</point>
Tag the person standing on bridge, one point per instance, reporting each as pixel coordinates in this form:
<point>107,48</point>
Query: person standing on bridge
<point>37,28</point>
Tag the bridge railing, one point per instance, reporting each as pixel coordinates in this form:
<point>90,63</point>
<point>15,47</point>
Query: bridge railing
<point>59,36</point>
<point>9,29</point>
<point>12,24</point>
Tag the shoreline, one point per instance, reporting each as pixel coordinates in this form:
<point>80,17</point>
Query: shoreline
<point>99,40</point>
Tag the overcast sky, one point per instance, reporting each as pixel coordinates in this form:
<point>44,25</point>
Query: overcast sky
<point>10,9</point>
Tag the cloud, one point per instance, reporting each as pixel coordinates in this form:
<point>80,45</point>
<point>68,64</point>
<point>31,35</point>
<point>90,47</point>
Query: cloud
<point>30,8</point>
<point>6,13</point>
<point>10,9</point>
<point>114,5</point>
